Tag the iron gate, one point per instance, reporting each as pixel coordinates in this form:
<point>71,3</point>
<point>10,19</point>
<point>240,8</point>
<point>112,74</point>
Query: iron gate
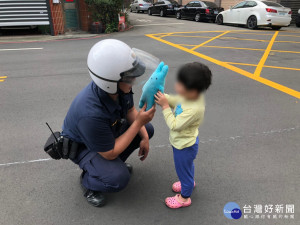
<point>24,13</point>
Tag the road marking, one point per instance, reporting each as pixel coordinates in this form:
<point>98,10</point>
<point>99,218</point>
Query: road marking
<point>19,49</point>
<point>275,67</point>
<point>176,35</point>
<point>267,82</point>
<point>214,38</point>
<point>207,141</point>
<point>2,79</point>
<point>25,162</point>
<point>250,49</point>
<point>156,24</point>
<point>265,56</point>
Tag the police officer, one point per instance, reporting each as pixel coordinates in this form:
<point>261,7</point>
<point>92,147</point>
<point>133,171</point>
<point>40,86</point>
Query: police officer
<point>103,120</point>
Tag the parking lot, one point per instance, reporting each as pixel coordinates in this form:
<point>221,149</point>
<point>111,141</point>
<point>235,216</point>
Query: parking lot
<point>249,142</point>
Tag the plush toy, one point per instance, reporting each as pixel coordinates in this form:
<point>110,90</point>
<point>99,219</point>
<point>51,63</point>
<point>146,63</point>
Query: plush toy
<point>155,83</point>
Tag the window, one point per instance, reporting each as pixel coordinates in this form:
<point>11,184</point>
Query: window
<point>210,4</point>
<point>250,4</point>
<point>272,4</point>
<point>197,4</point>
<point>240,5</point>
<point>190,4</point>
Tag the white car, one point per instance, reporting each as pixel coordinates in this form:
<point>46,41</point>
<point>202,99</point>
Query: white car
<point>140,5</point>
<point>256,13</point>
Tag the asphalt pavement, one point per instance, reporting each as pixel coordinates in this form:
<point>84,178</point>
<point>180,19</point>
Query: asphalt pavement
<point>249,142</point>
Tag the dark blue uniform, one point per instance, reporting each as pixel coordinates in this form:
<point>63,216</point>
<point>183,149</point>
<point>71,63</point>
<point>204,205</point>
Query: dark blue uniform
<point>96,120</point>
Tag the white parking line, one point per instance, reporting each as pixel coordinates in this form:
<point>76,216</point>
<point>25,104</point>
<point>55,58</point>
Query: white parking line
<point>156,24</point>
<point>23,162</point>
<point>19,49</point>
<point>210,140</point>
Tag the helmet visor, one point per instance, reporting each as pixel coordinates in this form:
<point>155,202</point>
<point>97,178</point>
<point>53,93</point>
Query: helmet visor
<point>144,65</point>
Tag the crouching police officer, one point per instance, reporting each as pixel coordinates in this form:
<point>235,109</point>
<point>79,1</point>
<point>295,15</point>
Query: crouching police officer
<point>105,123</point>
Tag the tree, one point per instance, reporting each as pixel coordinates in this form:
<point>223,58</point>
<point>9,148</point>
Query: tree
<point>106,11</point>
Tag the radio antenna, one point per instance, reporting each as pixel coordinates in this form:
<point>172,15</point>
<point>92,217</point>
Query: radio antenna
<point>51,131</point>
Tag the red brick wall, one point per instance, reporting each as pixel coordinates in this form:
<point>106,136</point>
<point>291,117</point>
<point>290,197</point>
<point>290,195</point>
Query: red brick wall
<point>57,14</point>
<point>84,16</point>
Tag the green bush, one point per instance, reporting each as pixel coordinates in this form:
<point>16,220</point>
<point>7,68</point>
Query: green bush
<point>106,12</point>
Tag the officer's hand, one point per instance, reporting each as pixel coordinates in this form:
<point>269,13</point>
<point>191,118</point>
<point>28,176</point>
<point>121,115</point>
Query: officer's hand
<point>145,117</point>
<point>144,149</point>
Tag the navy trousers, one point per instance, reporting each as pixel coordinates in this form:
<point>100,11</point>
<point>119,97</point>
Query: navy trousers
<point>107,175</point>
<point>184,165</point>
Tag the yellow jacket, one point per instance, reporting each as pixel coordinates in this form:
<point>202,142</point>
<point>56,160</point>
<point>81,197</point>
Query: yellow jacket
<point>184,121</point>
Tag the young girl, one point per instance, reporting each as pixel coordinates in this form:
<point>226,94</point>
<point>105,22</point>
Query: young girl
<point>193,80</point>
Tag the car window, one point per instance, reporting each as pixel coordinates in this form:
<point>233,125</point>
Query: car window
<point>250,4</point>
<point>197,4</point>
<point>190,4</point>
<point>135,1</point>
<point>272,4</point>
<point>146,1</point>
<point>210,4</point>
<point>240,5</point>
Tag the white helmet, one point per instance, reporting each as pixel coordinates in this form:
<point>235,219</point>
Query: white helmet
<point>110,61</point>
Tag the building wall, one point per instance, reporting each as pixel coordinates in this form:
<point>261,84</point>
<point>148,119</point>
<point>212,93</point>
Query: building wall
<point>57,15</point>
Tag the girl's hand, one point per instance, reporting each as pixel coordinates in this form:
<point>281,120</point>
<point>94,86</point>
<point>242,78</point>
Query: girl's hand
<point>161,100</point>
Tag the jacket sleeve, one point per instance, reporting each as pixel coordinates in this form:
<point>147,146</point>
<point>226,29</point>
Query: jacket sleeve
<point>171,100</point>
<point>180,122</point>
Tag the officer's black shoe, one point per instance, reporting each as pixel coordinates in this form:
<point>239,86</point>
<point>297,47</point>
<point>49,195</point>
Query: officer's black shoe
<point>129,167</point>
<point>95,198</point>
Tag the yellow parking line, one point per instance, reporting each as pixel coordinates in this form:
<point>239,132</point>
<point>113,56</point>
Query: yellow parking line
<point>165,35</point>
<point>3,77</point>
<point>245,39</point>
<point>265,56</point>
<point>191,36</point>
<point>192,32</point>
<point>209,40</point>
<point>267,82</point>
<point>250,49</point>
<point>1,80</point>
<point>274,67</point>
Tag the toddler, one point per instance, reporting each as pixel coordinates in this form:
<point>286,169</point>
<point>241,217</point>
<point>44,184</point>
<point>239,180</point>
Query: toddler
<point>193,79</point>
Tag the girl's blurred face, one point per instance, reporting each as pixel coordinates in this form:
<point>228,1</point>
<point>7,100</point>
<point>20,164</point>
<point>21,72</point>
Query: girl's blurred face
<point>180,89</point>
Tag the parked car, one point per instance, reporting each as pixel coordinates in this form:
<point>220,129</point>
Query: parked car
<point>199,11</point>
<point>140,6</point>
<point>163,8</point>
<point>257,13</point>
<point>298,19</point>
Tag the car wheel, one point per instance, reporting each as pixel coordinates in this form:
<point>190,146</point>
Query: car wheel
<point>178,15</point>
<point>219,20</point>
<point>149,12</point>
<point>162,13</point>
<point>130,9</point>
<point>252,22</point>
<point>276,28</point>
<point>197,17</point>
<point>298,24</point>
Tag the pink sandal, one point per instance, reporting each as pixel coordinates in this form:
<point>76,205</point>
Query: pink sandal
<point>173,202</point>
<point>176,187</point>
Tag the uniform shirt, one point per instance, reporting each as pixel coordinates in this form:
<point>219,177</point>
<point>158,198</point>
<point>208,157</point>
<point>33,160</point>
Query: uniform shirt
<point>94,118</point>
<point>184,121</point>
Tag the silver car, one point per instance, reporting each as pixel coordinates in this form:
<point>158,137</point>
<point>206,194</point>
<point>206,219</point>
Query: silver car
<point>140,5</point>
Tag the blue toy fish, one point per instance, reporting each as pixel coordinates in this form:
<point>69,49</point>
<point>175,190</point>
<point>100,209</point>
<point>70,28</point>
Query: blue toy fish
<point>155,83</point>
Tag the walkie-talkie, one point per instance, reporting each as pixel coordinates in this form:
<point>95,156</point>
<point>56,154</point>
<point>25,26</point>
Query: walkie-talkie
<point>53,146</point>
<point>52,132</point>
